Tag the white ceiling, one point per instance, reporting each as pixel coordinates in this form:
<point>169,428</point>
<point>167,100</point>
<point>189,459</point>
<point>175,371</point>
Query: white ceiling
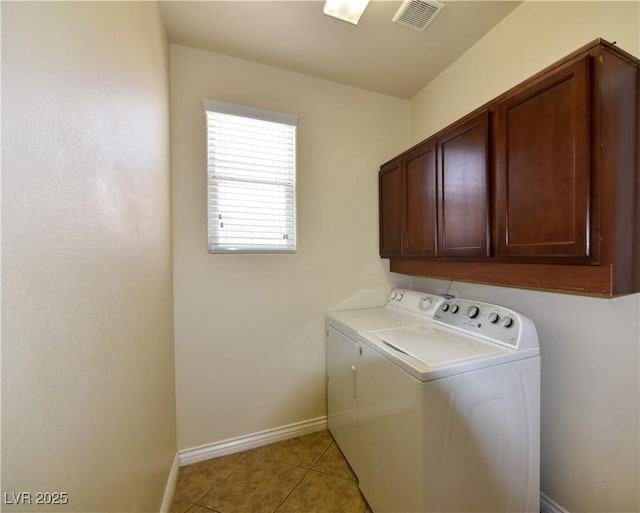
<point>377,54</point>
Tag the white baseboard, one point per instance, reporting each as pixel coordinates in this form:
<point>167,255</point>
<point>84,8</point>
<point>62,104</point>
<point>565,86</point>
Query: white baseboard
<point>165,507</point>
<point>250,441</point>
<point>548,505</point>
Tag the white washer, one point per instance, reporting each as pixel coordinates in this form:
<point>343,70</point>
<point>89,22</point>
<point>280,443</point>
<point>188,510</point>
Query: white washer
<point>440,412</point>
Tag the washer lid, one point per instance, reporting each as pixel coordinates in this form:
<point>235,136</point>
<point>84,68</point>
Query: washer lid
<point>369,319</point>
<point>437,347</point>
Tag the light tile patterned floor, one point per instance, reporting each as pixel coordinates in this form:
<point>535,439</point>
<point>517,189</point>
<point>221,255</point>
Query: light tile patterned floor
<point>302,475</point>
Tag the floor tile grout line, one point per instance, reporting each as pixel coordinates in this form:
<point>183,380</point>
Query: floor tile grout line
<point>200,506</point>
<point>309,471</point>
<point>226,475</point>
<point>275,460</point>
<point>292,490</point>
<point>323,452</point>
<point>325,473</point>
<point>210,486</point>
<point>197,501</point>
<point>310,467</point>
<point>329,473</point>
<point>191,505</point>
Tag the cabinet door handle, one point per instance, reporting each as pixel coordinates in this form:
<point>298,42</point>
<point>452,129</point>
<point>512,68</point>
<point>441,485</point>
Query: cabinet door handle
<point>353,372</point>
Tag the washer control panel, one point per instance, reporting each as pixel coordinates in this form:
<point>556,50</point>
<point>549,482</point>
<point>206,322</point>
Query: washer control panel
<point>481,319</point>
<point>414,301</point>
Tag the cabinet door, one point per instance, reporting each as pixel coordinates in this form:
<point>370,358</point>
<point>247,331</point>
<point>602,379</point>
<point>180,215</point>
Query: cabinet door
<point>390,209</point>
<point>463,152</point>
<point>420,223</point>
<point>543,171</point>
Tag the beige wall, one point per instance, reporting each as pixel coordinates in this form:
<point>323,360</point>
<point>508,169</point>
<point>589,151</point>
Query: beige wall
<point>533,36</point>
<point>590,347</point>
<point>88,404</point>
<point>250,328</point>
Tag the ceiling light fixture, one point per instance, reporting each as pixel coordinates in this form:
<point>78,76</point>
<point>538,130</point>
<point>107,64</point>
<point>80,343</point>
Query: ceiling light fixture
<point>346,10</point>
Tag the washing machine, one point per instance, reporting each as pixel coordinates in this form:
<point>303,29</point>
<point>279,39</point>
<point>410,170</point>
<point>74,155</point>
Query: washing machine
<point>437,409</point>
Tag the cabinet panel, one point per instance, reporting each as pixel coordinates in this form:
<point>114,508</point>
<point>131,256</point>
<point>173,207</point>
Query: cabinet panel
<point>420,234</point>
<point>543,172</point>
<point>390,207</point>
<point>463,189</point>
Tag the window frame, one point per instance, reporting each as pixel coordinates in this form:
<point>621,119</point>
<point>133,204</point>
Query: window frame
<point>289,206</point>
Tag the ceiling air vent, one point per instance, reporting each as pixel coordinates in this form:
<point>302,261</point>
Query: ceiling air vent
<point>417,14</point>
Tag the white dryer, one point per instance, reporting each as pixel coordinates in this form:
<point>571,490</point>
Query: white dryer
<point>440,412</point>
<point>403,308</point>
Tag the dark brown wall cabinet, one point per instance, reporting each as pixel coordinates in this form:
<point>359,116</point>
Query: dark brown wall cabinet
<point>433,198</point>
<point>463,187</point>
<point>420,213</point>
<point>390,205</point>
<point>543,167</point>
<point>538,188</point>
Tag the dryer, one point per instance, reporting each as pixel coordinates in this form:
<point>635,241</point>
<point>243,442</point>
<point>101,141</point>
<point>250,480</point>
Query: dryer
<point>440,412</point>
<point>344,350</point>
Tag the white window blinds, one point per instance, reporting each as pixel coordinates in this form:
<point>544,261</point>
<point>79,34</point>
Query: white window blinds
<point>251,168</point>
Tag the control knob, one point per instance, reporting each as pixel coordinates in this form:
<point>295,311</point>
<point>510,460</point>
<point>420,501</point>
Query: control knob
<point>445,307</point>
<point>425,303</point>
<point>454,308</point>
<point>493,318</point>
<point>473,311</point>
<point>507,322</point>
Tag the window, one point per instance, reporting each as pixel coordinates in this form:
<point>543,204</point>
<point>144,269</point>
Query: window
<point>251,169</point>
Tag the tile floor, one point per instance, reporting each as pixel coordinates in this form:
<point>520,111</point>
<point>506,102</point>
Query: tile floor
<point>302,475</point>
